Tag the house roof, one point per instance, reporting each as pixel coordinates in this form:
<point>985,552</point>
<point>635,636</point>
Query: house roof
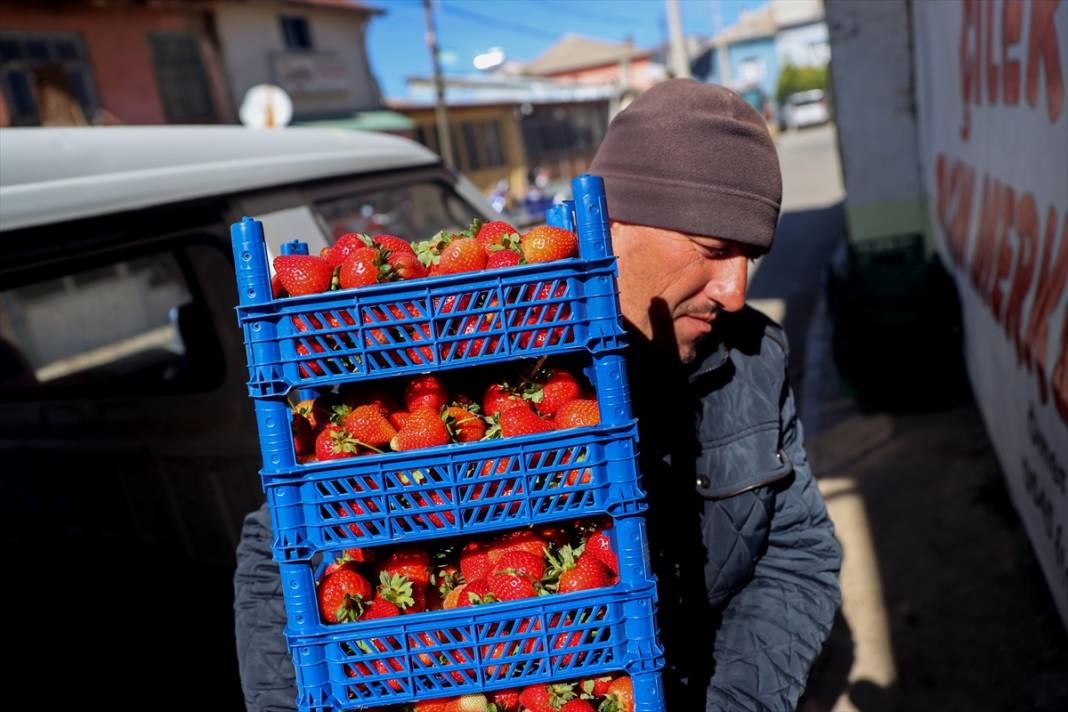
<point>573,52</point>
<point>751,25</point>
<point>356,5</point>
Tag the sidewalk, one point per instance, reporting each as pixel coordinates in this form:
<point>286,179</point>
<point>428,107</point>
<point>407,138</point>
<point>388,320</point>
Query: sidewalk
<point>945,607</point>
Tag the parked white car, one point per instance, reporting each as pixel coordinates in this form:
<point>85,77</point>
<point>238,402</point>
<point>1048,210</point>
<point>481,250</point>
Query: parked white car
<point>806,108</point>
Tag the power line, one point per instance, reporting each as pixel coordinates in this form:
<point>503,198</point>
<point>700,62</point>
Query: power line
<point>579,11</point>
<point>497,23</point>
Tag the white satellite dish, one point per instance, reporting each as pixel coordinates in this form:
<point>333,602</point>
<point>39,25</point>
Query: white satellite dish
<point>266,106</point>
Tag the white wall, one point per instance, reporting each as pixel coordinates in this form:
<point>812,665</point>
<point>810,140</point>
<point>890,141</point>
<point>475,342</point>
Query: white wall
<point>251,32</point>
<point>798,45</point>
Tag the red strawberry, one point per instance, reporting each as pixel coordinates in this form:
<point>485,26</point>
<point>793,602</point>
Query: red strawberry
<point>620,695</point>
<point>439,705</point>
<point>349,556</point>
<point>546,698</point>
<point>495,232</point>
<point>462,255</point>
<point>380,608</point>
<point>584,574</point>
<point>521,562</point>
<point>406,266</point>
<point>526,540</point>
<point>520,420</point>
<point>474,561</point>
<point>410,562</point>
<point>424,428</point>
<point>552,390</point>
<point>303,274</point>
<point>398,419</point>
<point>277,290</point>
<point>464,425</point>
<point>599,546</point>
<point>596,686</point>
<point>376,609</point>
<point>361,268</point>
<point>455,597</point>
<point>476,593</point>
<point>333,443</point>
<point>467,703</point>
<point>376,394</point>
<point>577,706</point>
<point>343,247</point>
<point>425,391</point>
<point>579,413</point>
<point>505,700</point>
<point>342,595</point>
<point>367,425</point>
<point>396,245</point>
<point>303,436</point>
<point>496,396</point>
<point>546,244</point>
<point>499,259</point>
<point>511,587</point>
<point>401,592</point>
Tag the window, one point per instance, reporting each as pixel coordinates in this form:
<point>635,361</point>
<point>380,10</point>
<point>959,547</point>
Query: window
<point>556,132</point>
<point>472,162</point>
<point>414,212</point>
<point>46,79</point>
<point>493,147</point>
<point>183,83</point>
<point>130,324</point>
<point>295,32</point>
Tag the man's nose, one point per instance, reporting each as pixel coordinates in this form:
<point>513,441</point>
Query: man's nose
<point>727,286</point>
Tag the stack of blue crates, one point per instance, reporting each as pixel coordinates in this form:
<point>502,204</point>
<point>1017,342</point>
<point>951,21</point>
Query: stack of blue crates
<point>315,342</point>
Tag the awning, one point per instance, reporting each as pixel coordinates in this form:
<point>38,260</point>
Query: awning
<point>365,121</point>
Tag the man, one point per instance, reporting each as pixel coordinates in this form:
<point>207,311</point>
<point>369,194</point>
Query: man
<point>744,552</point>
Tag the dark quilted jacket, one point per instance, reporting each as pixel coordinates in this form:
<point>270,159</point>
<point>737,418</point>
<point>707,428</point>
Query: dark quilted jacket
<point>744,552</point>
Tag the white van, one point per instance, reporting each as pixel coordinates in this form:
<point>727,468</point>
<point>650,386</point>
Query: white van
<point>126,433</point>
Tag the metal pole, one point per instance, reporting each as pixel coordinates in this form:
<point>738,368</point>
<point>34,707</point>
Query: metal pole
<point>441,113</point>
<point>679,61</point>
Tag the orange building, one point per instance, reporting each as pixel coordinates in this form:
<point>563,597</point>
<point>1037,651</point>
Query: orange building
<point>588,61</point>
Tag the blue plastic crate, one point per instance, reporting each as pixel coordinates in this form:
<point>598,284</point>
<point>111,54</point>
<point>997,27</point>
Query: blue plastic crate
<point>430,324</point>
<point>482,648</point>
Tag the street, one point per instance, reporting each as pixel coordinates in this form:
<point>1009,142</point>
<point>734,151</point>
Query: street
<point>944,604</point>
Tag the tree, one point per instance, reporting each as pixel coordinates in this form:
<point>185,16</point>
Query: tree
<point>793,79</point>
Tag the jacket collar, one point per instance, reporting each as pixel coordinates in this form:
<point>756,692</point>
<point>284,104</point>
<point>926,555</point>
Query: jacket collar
<point>711,357</point>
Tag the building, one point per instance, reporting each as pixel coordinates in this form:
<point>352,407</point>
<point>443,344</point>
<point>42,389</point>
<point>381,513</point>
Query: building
<point>124,62</point>
<point>584,60</point>
<point>110,62</point>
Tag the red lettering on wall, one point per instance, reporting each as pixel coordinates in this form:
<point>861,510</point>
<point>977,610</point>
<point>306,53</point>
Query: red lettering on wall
<point>1042,43</point>
<point>943,191</point>
<point>983,254</point>
<point>1008,200</point>
<point>1059,380</point>
<point>1052,275</point>
<point>1021,282</point>
<point>962,185</point>
<point>991,67</point>
<point>1011,27</point>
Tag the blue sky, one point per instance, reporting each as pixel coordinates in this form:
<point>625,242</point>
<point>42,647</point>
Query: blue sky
<point>524,28</point>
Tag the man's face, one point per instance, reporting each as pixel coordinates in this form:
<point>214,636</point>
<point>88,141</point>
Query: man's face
<point>688,280</point>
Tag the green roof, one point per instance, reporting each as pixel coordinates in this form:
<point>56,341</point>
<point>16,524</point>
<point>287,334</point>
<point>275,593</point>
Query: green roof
<point>364,121</point>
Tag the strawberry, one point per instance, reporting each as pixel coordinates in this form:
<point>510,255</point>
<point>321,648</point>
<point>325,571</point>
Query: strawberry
<point>520,420</point>
<point>277,290</point>
<point>333,443</point>
<point>429,251</point>
<point>343,247</point>
<point>463,425</point>
<point>579,413</point>
<point>367,425</point>
<point>552,534</point>
<point>398,419</point>
<point>496,396</point>
<point>511,586</point>
<point>595,686</point>
<point>376,394</point>
<point>303,274</point>
<point>454,597</point>
<point>620,696</point>
<point>353,555</point>
<point>462,255</point>
<point>406,266</point>
<point>303,436</point>
<point>376,609</point>
<point>546,698</point>
<point>505,700</point>
<point>425,391</point>
<point>410,562</point>
<point>401,592</point>
<point>495,232</point>
<point>380,608</point>
<point>441,498</point>
<point>599,546</point>
<point>521,562</point>
<point>577,706</point>
<point>474,561</point>
<point>546,244</point>
<point>395,245</point>
<point>526,540</point>
<point>552,389</point>
<point>424,428</point>
<point>361,268</point>
<point>475,593</point>
<point>315,410</point>
<point>577,572</point>
<point>342,595</point>
<point>438,705</point>
<point>525,645</point>
<point>500,259</point>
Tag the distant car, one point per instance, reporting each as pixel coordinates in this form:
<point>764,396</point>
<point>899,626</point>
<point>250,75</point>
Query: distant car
<point>806,108</point>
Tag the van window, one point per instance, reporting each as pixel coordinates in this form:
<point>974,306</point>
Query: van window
<point>131,323</point>
<point>414,212</point>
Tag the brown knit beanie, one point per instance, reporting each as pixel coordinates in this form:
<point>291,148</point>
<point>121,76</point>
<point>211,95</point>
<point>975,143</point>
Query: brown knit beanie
<point>692,157</point>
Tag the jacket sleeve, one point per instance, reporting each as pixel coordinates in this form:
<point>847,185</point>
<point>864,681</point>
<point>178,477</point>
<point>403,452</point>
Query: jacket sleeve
<point>266,668</point>
<point>773,629</point>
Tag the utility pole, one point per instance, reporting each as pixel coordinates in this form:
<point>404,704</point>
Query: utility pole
<point>680,62</point>
<point>441,113</point>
